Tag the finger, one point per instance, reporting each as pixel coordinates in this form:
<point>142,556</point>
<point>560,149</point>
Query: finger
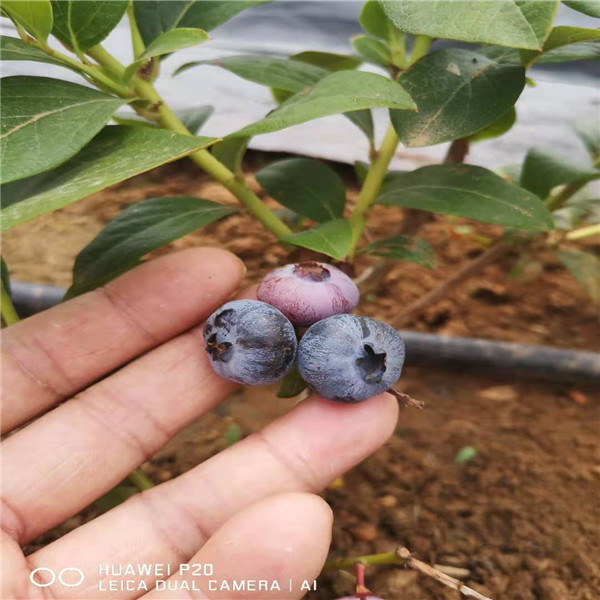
<point>302,451</point>
<point>272,549</point>
<point>93,441</point>
<point>69,457</point>
<point>55,354</point>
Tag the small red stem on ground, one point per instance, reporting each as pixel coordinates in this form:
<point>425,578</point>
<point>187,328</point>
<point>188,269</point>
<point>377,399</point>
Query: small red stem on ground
<point>361,590</point>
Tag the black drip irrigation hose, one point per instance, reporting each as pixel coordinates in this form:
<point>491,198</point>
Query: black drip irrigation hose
<point>535,362</point>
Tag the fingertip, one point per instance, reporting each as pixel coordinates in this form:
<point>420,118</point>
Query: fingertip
<point>381,410</point>
<point>309,507</point>
<point>387,408</point>
<point>215,260</point>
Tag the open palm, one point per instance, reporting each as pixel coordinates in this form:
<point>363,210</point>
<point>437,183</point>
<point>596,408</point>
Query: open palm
<point>250,512</point>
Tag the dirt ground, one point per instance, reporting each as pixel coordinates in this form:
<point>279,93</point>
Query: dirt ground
<point>522,516</point>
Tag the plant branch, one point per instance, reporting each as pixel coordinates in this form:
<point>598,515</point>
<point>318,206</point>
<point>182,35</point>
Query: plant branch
<point>490,255</point>
<point>371,186</point>
<point>380,162</point>
<point>398,49</point>
<point>140,480</point>
<point>204,159</point>
<point>407,559</point>
<point>385,558</point>
<point>9,314</point>
<point>457,152</point>
<point>420,48</point>
<point>559,199</point>
<point>137,42</point>
<point>583,232</point>
<point>90,71</point>
<point>403,557</point>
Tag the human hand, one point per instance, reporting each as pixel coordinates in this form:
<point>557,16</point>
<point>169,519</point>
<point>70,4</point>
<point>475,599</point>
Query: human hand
<point>250,511</point>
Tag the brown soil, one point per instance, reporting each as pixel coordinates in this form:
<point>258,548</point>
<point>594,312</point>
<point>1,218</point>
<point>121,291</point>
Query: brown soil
<point>522,516</point>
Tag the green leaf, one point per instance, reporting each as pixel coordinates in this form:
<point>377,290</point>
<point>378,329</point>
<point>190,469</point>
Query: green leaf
<point>292,384</point>
<point>363,119</point>
<point>374,20</point>
<point>194,118</point>
<point>500,54</point>
<point>34,16</point>
<point>585,269</point>
<point>465,455</point>
<point>327,60</point>
<point>285,76</point>
<point>500,127</point>
<point>174,40</point>
<point>332,238</point>
<point>580,51</point>
<point>81,24</point>
<point>17,49</point>
<point>155,17</point>
<point>559,37</point>
<point>339,92</point>
<point>563,36</point>
<point>402,247</point>
<point>372,50</point>
<point>46,121</point>
<point>139,229</point>
<point>458,92</point>
<point>587,7</point>
<point>543,170</point>
<point>513,23</point>
<point>467,191</point>
<point>589,134</point>
<point>231,152</point>
<point>281,73</point>
<point>115,154</point>
<point>306,186</point>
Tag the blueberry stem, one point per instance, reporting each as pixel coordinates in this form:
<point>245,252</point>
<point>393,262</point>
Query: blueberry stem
<point>371,187</point>
<point>203,158</point>
<point>380,161</point>
<point>407,400</point>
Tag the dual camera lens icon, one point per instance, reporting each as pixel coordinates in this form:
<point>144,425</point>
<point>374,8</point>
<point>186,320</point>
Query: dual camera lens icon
<point>69,577</point>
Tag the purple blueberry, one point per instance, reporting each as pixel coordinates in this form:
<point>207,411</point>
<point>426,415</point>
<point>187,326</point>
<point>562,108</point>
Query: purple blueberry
<point>250,342</point>
<point>307,292</point>
<point>349,358</point>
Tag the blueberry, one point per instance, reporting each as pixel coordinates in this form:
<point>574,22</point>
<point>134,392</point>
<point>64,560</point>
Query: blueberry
<point>307,292</point>
<point>349,358</point>
<point>250,342</point>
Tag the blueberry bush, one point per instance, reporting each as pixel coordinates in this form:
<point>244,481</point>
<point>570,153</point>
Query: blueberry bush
<point>58,145</point>
<point>445,71</point>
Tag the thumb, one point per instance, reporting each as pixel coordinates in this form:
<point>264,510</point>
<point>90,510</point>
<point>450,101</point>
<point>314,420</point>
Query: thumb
<point>268,550</point>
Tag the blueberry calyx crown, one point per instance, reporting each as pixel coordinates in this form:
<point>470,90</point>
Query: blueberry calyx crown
<point>372,364</point>
<point>312,270</point>
<point>218,351</point>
